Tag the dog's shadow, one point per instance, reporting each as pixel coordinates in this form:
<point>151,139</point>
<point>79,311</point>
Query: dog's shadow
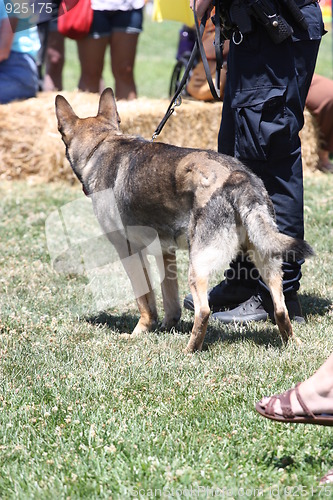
<point>125,323</point>
<point>312,305</point>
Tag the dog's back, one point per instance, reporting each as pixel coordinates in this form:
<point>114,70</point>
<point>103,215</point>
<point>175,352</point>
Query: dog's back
<point>169,188</point>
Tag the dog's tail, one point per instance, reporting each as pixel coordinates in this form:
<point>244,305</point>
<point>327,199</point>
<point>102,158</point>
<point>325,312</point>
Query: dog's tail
<point>265,236</point>
<point>256,212</point>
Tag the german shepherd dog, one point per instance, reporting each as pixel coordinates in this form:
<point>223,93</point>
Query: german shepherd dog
<point>213,200</point>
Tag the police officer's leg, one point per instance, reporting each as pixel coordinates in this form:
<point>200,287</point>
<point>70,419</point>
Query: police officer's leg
<point>266,135</point>
<point>241,279</point>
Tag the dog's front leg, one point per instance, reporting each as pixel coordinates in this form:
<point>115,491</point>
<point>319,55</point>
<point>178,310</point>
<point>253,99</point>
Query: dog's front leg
<point>143,291</point>
<point>148,315</point>
<point>148,312</point>
<point>170,293</point>
<point>198,287</point>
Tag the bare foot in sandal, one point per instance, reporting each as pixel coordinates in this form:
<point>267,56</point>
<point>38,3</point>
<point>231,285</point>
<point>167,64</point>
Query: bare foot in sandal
<point>328,478</point>
<point>310,402</point>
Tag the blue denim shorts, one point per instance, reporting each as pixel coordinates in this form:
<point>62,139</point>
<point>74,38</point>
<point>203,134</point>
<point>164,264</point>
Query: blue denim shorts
<point>106,22</point>
<point>18,78</point>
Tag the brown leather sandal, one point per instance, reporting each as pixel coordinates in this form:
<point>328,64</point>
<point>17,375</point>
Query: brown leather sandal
<point>288,415</point>
<point>328,478</point>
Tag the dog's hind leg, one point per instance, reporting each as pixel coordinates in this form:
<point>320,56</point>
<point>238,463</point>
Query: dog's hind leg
<point>270,269</point>
<point>170,293</point>
<point>198,286</point>
<point>280,310</point>
<point>207,255</point>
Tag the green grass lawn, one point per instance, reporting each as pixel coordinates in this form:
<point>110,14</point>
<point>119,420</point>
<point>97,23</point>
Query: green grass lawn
<point>86,414</point>
<point>325,60</point>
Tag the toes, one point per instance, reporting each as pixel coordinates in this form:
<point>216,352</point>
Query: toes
<point>328,478</point>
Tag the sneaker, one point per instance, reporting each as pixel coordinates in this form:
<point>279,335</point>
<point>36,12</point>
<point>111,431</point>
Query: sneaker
<point>250,310</point>
<point>260,308</point>
<point>225,294</point>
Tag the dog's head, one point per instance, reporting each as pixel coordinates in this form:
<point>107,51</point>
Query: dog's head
<point>70,125</point>
<point>82,135</point>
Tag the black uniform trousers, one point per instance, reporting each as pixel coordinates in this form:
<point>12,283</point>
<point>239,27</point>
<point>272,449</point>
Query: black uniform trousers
<point>262,116</point>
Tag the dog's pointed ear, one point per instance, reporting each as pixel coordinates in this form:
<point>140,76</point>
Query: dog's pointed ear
<point>107,107</point>
<point>66,118</point>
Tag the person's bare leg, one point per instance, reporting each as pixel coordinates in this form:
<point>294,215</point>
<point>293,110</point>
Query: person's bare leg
<point>123,51</point>
<point>91,55</point>
<point>316,392</point>
<point>325,163</point>
<point>54,62</point>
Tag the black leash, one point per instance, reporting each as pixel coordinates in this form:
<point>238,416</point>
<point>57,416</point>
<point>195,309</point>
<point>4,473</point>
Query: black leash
<point>176,99</point>
<point>198,48</point>
<point>215,89</point>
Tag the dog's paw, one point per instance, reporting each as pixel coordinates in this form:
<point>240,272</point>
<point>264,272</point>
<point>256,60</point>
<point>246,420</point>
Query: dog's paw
<point>139,333</point>
<point>168,324</point>
<point>125,336</point>
<point>192,347</point>
<point>131,336</point>
<point>142,328</point>
<point>297,340</point>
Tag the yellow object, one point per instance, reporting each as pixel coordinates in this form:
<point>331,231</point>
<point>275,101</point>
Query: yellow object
<point>173,10</point>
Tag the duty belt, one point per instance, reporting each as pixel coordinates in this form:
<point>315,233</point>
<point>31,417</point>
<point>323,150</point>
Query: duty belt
<point>237,17</point>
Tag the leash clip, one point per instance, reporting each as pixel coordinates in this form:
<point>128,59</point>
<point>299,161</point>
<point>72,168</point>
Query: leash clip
<point>177,102</point>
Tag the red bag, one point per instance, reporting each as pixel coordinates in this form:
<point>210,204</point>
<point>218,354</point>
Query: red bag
<point>75,18</point>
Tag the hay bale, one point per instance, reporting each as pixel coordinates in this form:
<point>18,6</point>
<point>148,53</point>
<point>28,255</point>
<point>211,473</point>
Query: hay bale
<point>310,140</point>
<point>29,141</point>
<point>30,144</point>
